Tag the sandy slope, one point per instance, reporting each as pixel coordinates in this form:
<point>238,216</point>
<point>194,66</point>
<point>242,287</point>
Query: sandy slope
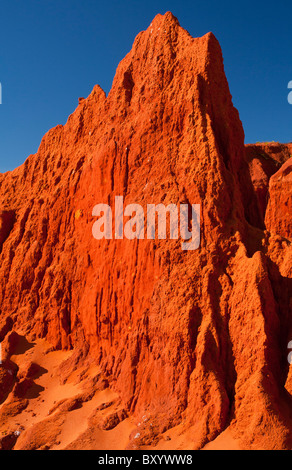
<point>47,391</point>
<point>72,411</point>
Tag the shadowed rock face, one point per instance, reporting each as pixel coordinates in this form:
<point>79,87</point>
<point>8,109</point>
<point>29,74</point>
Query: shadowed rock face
<point>278,215</point>
<point>265,160</point>
<point>198,337</point>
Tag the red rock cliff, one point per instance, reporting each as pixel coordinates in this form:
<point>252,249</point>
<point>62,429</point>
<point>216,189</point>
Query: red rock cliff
<point>198,337</point>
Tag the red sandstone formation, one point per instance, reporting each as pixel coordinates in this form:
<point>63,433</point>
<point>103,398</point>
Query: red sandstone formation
<point>265,160</point>
<point>193,341</point>
<point>278,215</point>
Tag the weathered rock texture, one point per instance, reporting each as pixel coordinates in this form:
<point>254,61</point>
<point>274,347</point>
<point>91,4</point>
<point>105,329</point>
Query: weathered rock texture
<point>198,337</point>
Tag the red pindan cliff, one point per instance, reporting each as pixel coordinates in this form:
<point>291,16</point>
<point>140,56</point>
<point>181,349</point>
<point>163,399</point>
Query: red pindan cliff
<point>192,341</point>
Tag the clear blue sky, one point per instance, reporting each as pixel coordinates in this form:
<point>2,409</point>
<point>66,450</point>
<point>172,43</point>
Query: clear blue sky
<point>54,51</point>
